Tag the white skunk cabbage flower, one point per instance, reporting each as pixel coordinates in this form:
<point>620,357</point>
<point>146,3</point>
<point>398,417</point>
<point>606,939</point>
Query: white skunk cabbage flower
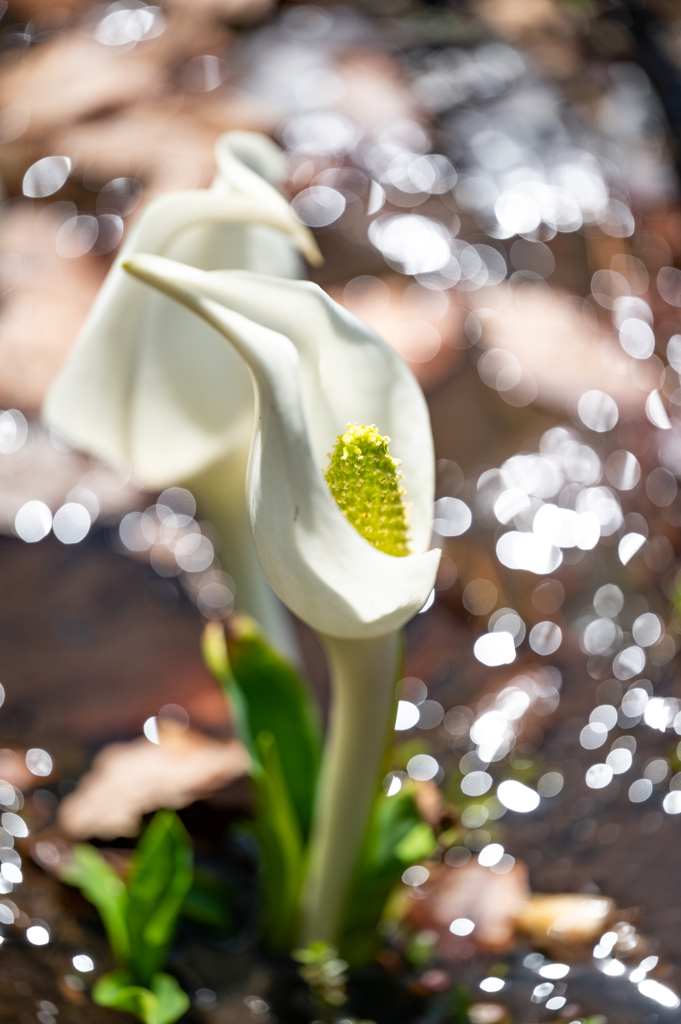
<point>147,386</point>
<point>150,386</point>
<point>316,367</point>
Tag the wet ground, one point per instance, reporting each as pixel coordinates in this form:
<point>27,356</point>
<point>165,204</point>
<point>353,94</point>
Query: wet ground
<point>94,642</point>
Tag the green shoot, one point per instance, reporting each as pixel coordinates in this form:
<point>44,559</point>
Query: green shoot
<point>139,914</point>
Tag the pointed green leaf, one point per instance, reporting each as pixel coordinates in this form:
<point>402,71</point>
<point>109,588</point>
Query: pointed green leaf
<point>214,647</point>
<point>268,696</point>
<point>416,846</point>
<point>164,1003</point>
<point>159,880</point>
<point>397,838</point>
<point>93,875</point>
<point>172,1001</point>
<point>281,848</point>
<point>210,901</point>
<point>119,991</point>
<point>459,1005</point>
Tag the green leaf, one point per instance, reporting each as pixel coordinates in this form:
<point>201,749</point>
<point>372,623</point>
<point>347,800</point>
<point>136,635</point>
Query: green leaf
<point>397,838</point>
<point>281,848</point>
<point>172,1001</point>
<point>214,648</point>
<point>416,845</point>
<point>459,1005</point>
<point>210,901</point>
<point>159,880</point>
<point>93,875</point>
<point>268,696</point>
<point>163,1003</point>
<point>277,721</point>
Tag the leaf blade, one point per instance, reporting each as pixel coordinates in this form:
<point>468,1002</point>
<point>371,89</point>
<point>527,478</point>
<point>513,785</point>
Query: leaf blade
<point>159,880</point>
<point>397,838</point>
<point>88,871</point>
<point>268,695</point>
<point>281,846</point>
<point>164,1003</point>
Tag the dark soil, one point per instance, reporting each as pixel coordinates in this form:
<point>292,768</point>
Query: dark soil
<point>94,642</point>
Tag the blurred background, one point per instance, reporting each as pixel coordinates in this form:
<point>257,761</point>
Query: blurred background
<point>494,185</point>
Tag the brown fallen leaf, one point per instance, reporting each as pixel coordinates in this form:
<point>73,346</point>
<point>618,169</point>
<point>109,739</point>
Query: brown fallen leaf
<point>554,922</point>
<point>219,11</point>
<point>27,9</point>
<point>45,298</point>
<point>474,892</point>
<point>72,77</point>
<point>13,768</point>
<point>430,801</point>
<point>128,780</point>
<point>488,1013</point>
<point>166,141</point>
<point>375,92</point>
<point>152,140</point>
<point>550,337</point>
<point>513,18</point>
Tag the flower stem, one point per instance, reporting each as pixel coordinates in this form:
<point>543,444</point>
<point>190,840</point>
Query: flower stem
<point>363,676</point>
<point>220,496</point>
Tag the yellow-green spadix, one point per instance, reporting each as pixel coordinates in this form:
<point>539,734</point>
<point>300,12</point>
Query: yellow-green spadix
<point>364,479</point>
<point>316,368</point>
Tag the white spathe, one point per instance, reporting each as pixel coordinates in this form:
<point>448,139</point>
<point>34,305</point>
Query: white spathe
<point>316,367</point>
<point>147,385</point>
<point>150,386</point>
